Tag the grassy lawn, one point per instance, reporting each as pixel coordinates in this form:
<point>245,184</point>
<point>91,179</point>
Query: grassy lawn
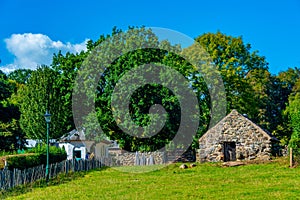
<point>273,180</point>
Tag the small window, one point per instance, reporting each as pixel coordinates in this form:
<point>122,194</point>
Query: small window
<point>77,154</point>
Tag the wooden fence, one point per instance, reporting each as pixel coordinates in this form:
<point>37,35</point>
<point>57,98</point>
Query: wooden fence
<point>12,178</point>
<point>294,157</point>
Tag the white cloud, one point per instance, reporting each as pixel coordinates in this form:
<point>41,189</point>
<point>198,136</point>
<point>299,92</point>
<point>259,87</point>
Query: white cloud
<point>8,68</point>
<point>31,50</point>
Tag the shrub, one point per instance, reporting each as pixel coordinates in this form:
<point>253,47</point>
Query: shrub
<point>36,156</point>
<point>295,144</point>
<point>5,153</point>
<point>23,161</point>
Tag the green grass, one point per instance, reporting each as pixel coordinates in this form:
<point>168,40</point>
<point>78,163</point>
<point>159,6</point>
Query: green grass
<point>273,180</point>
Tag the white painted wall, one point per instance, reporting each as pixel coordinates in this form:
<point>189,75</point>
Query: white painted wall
<point>101,150</point>
<point>69,149</point>
<point>83,151</point>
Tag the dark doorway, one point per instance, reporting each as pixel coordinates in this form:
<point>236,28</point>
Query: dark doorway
<point>229,151</point>
<point>77,154</point>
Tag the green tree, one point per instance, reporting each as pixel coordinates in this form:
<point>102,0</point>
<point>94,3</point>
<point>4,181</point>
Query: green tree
<point>5,89</point>
<point>264,97</point>
<point>41,94</point>
<point>11,136</point>
<point>293,112</point>
<point>143,98</point>
<point>21,76</point>
<point>234,60</point>
<point>244,73</point>
<point>67,66</point>
<point>285,87</point>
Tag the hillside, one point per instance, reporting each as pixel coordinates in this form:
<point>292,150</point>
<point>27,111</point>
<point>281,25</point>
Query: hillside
<point>209,181</point>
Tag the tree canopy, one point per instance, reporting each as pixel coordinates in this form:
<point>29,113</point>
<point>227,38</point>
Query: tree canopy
<point>272,101</point>
<point>11,136</point>
<point>40,94</point>
<point>140,48</point>
<point>293,112</point>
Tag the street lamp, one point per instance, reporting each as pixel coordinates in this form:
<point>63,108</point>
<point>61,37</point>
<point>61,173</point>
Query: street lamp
<point>48,120</point>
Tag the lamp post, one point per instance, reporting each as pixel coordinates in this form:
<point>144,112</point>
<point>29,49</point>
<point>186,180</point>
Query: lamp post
<point>48,120</point>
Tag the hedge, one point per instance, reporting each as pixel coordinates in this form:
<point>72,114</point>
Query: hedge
<point>35,157</point>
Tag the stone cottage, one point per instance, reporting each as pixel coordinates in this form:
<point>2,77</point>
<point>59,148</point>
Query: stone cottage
<point>235,137</point>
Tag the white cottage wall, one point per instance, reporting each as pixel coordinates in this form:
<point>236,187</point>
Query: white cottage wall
<point>69,149</point>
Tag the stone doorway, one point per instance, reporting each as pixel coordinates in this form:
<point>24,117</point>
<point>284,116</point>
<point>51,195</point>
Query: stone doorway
<point>229,151</point>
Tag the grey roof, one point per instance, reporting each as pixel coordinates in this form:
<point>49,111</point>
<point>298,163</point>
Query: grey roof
<point>76,135</point>
<point>73,135</point>
<point>226,119</point>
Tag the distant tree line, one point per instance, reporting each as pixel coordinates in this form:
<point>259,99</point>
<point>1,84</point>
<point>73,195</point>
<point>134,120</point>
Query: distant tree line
<point>270,100</point>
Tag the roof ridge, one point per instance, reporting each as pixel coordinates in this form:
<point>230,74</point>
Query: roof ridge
<point>235,112</point>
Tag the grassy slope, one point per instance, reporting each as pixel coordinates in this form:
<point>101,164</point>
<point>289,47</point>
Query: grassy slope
<point>209,181</point>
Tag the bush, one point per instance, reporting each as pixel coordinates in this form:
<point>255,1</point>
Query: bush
<point>295,144</point>
<point>36,156</point>
<point>23,161</point>
<point>6,153</point>
<point>296,158</point>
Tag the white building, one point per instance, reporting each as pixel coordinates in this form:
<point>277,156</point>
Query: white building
<point>77,147</point>
<point>31,143</point>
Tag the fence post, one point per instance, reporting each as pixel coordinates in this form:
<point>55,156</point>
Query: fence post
<point>291,157</point>
<point>12,178</point>
<point>67,166</point>
<point>1,179</point>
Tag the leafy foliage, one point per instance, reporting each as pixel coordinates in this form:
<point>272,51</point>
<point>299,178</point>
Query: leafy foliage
<point>11,137</point>
<point>66,68</point>
<point>250,88</point>
<point>20,75</point>
<point>36,156</point>
<point>145,96</point>
<point>285,91</point>
<point>293,111</point>
<point>234,61</point>
<point>272,101</point>
<point>41,94</point>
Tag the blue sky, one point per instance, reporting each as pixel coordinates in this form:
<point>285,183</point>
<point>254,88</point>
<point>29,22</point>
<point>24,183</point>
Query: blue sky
<point>32,30</point>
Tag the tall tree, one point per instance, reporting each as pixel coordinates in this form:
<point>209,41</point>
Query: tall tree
<point>41,94</point>
<point>11,136</point>
<point>285,84</point>
<point>293,112</point>
<point>264,98</point>
<point>66,68</point>
<point>141,101</point>
<point>235,60</point>
<point>5,90</point>
<point>21,76</point>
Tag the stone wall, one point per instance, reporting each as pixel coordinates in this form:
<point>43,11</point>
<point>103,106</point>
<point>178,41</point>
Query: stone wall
<point>181,155</point>
<point>120,157</point>
<point>251,142</point>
